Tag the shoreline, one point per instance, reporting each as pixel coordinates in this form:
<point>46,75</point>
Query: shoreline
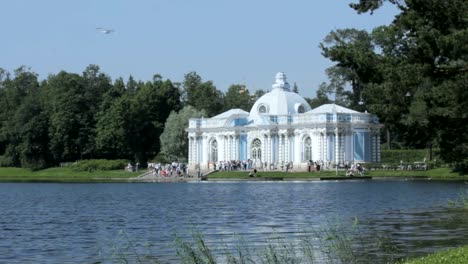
<point>64,175</point>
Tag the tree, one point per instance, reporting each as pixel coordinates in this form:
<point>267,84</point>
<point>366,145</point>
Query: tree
<point>149,108</point>
<point>237,96</point>
<point>354,52</point>
<point>258,94</point>
<point>31,133</point>
<point>96,85</point>
<point>113,137</point>
<point>295,88</point>
<point>14,91</point>
<point>174,139</point>
<point>67,111</point>
<point>320,98</point>
<point>422,53</point>
<point>202,95</point>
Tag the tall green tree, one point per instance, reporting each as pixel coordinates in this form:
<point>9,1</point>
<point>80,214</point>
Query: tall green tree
<point>174,139</point>
<point>67,110</point>
<point>423,54</point>
<point>30,139</point>
<point>237,96</point>
<point>150,107</point>
<point>354,53</point>
<point>202,95</point>
<point>320,97</point>
<point>112,122</point>
<point>14,92</point>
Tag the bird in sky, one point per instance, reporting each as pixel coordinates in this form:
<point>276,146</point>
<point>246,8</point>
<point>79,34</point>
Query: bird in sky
<point>105,30</point>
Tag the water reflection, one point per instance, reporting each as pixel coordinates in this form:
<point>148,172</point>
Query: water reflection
<point>51,223</point>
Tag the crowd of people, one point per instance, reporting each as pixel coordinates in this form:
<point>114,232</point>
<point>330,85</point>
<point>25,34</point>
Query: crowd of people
<point>168,170</point>
<point>232,165</point>
<point>354,169</point>
<point>180,169</point>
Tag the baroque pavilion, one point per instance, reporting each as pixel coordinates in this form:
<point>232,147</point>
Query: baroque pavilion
<point>282,128</point>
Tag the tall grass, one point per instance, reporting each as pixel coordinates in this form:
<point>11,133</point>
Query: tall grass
<point>333,244</point>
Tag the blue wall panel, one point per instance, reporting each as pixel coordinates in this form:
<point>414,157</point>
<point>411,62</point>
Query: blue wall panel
<point>243,147</point>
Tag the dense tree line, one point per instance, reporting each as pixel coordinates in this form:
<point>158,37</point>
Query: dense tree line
<point>69,116</point>
<point>412,73</point>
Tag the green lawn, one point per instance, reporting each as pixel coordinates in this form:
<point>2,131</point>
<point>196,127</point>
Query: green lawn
<point>452,256</point>
<point>437,174</point>
<point>62,174</point>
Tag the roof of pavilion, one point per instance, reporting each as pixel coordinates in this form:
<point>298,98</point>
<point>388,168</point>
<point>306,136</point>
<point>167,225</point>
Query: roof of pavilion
<point>331,108</point>
<point>232,112</point>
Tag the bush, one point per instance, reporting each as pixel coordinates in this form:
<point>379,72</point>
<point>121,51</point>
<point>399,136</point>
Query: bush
<point>406,155</point>
<point>6,161</point>
<point>99,164</point>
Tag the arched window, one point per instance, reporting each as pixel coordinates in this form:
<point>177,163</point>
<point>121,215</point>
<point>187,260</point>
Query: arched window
<point>307,149</point>
<point>301,109</point>
<point>214,151</point>
<point>256,149</point>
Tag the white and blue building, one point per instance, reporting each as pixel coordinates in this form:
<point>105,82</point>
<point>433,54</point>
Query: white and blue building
<point>281,127</point>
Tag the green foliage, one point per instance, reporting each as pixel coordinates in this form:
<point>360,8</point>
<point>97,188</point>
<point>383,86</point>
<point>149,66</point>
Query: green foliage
<point>405,155</point>
<point>452,256</point>
<point>99,165</point>
<point>320,98</point>
<point>238,96</point>
<point>202,95</point>
<point>72,117</point>
<point>194,252</point>
<point>63,174</point>
<point>174,139</point>
<point>411,73</point>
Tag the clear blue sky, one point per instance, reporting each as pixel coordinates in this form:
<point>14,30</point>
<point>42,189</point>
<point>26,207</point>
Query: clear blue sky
<point>224,41</point>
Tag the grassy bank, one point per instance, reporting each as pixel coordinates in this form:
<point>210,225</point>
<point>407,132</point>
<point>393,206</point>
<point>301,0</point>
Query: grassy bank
<point>453,256</point>
<point>436,174</point>
<point>62,174</point>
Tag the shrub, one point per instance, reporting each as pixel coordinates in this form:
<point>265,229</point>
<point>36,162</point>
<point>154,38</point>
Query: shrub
<point>406,155</point>
<point>99,164</point>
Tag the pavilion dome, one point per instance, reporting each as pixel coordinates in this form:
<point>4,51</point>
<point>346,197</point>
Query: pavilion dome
<point>280,101</point>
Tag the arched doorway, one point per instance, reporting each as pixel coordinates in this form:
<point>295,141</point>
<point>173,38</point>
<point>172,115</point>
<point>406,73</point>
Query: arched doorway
<point>256,150</point>
<point>214,151</point>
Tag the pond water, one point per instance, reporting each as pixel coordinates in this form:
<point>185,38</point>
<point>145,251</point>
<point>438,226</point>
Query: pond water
<point>87,223</point>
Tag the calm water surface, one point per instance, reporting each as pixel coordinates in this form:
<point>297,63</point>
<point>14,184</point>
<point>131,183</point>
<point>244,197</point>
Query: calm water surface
<point>86,223</point>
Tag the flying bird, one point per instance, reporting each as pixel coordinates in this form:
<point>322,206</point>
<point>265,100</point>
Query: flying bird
<point>105,30</point>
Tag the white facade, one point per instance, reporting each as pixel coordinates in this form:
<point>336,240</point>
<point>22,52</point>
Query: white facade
<point>280,128</point>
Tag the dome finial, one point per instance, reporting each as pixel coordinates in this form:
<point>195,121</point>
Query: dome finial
<point>281,82</point>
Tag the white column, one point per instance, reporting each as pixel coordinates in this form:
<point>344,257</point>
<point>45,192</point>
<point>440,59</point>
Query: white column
<point>280,148</point>
<point>374,147</point>
<point>297,147</point>
<point>196,151</point>
<point>286,148</point>
<point>269,150</point>
<point>229,146</point>
<point>343,146</point>
<point>236,147</point>
<point>231,143</point>
<point>322,156</point>
<point>205,151</point>
<point>189,158</point>
<point>378,146</point>
<point>263,148</point>
<point>337,147</point>
<point>325,146</point>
